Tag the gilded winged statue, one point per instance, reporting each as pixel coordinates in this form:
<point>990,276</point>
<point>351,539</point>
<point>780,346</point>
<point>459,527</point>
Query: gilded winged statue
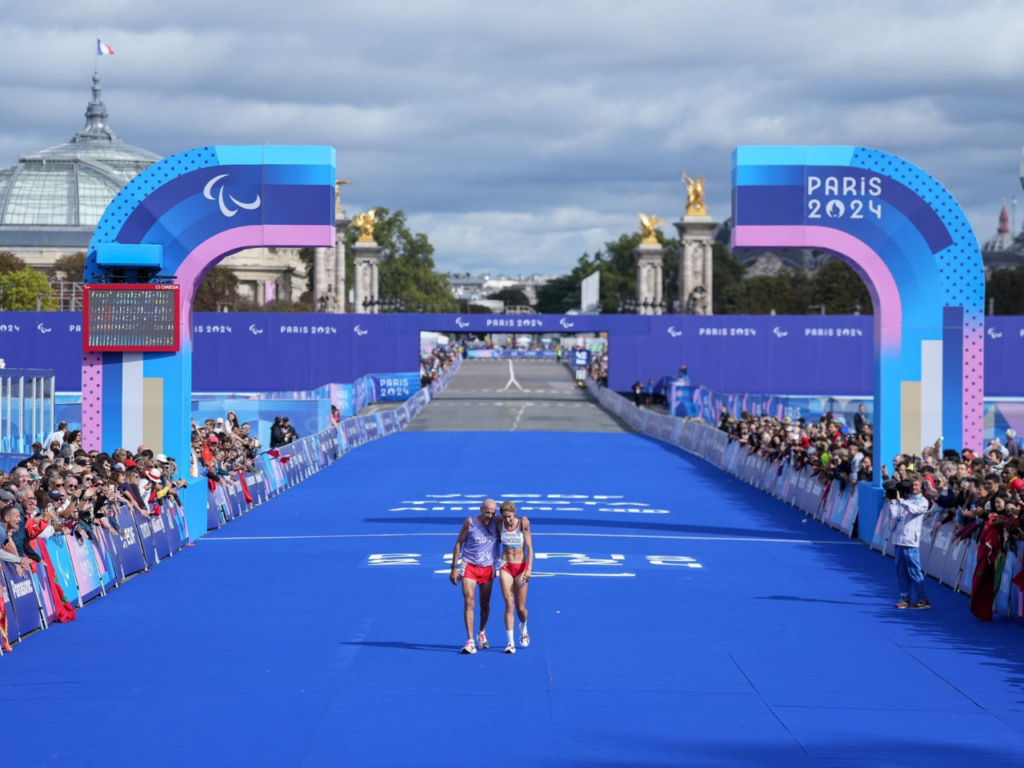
<point>647,227</point>
<point>365,222</point>
<point>695,205</point>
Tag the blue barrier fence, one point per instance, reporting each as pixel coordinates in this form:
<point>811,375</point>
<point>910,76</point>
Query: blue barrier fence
<point>92,567</point>
<point>699,402</point>
<point>943,557</point>
<point>308,410</point>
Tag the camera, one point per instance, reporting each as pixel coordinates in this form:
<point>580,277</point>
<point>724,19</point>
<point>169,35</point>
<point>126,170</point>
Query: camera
<point>898,489</point>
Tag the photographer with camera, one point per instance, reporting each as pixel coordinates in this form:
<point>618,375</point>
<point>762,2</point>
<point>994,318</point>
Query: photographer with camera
<point>906,508</point>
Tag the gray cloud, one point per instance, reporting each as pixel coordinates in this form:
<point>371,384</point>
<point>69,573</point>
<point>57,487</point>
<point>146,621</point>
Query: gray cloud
<point>518,136</point>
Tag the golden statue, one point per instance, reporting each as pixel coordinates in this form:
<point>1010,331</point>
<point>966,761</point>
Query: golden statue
<point>337,197</point>
<point>695,205</point>
<point>647,228</point>
<point>365,222</point>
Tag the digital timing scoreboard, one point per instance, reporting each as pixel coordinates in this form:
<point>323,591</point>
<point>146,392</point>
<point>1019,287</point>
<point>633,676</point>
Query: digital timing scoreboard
<point>130,318</point>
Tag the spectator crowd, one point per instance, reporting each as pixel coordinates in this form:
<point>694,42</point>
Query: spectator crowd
<point>981,494</point>
<point>61,489</point>
<point>438,361</point>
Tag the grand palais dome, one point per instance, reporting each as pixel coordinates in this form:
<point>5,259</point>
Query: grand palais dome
<point>54,198</point>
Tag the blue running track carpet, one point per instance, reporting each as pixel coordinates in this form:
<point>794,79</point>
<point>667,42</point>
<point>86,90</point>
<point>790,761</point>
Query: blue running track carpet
<point>678,617</point>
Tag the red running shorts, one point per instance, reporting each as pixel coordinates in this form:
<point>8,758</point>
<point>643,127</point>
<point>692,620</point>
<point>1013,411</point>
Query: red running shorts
<point>481,574</point>
<point>514,569</point>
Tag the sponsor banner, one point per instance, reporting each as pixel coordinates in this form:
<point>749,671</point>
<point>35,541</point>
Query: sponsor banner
<point>129,543</point>
<point>64,569</point>
<point>213,516</point>
<point>177,528</point>
<point>966,582</point>
<point>160,540</point>
<point>46,595</point>
<point>369,427</point>
<point>87,571</point>
<point>881,534</point>
<point>145,538</point>
<point>396,386</point>
<point>388,423</point>
<point>107,562</point>
<point>22,590</point>
<point>580,358</point>
<point>12,621</point>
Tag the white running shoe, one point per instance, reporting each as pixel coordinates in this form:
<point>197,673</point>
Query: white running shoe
<point>481,640</point>
<point>524,639</point>
<point>469,647</point>
<point>510,648</point>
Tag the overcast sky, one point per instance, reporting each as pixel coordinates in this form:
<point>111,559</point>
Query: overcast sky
<point>518,135</point>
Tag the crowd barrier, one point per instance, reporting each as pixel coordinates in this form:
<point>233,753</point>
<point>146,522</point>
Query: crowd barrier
<point>945,558</point>
<point>81,570</point>
<point>700,402</point>
<point>513,354</point>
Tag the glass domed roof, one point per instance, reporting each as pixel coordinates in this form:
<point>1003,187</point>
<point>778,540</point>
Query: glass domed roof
<point>71,184</point>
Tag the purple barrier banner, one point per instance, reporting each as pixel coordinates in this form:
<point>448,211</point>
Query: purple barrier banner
<point>370,427</point>
<point>23,596</point>
<point>213,513</point>
<point>160,540</point>
<point>966,583</point>
<point>83,559</point>
<point>108,564</point>
<point>64,569</point>
<point>45,593</point>
<point>12,621</point>
<point>351,429</point>
<point>130,550</point>
<point>177,528</point>
<point>1017,596</point>
<point>145,538</point>
<point>387,422</point>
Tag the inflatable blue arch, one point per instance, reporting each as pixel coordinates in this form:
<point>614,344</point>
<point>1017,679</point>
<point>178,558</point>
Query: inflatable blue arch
<point>911,243</point>
<point>172,223</point>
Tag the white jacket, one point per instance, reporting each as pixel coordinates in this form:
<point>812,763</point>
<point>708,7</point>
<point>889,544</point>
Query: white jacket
<point>906,516</point>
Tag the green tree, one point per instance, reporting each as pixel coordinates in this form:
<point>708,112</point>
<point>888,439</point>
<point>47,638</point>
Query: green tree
<point>406,265</point>
<point>1005,289</point>
<point>513,297</point>
<point>10,263</point>
<point>617,264</point>
<point>786,294</point>
<point>726,270</point>
<point>20,291</point>
<point>560,294</point>
<point>70,267</point>
<point>836,285</point>
<point>219,287</point>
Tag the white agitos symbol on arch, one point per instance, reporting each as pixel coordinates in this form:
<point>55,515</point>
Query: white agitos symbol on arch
<point>229,212</point>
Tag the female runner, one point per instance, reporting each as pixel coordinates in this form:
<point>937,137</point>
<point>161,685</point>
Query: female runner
<point>516,567</point>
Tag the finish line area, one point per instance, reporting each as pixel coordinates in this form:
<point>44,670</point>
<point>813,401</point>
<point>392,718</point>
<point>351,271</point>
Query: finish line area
<point>687,619</point>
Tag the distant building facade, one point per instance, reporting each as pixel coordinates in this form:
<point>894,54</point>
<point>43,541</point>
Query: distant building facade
<point>476,289</point>
<point>51,201</point>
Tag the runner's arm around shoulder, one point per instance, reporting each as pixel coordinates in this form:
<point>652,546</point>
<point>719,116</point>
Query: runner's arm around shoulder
<point>458,549</point>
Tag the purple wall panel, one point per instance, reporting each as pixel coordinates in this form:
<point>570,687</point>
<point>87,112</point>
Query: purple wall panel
<point>794,355</point>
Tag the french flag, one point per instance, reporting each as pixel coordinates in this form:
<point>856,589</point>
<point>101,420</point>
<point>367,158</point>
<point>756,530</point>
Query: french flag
<point>102,49</point>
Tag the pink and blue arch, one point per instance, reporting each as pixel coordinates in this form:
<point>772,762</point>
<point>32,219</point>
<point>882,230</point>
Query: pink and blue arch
<point>179,218</point>
<point>911,243</point>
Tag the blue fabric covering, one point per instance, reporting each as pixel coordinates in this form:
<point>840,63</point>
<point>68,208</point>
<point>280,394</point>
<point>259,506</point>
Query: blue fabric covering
<point>783,649</point>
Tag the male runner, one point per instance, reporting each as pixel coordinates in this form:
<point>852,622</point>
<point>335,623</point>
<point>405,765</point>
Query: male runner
<point>478,544</point>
